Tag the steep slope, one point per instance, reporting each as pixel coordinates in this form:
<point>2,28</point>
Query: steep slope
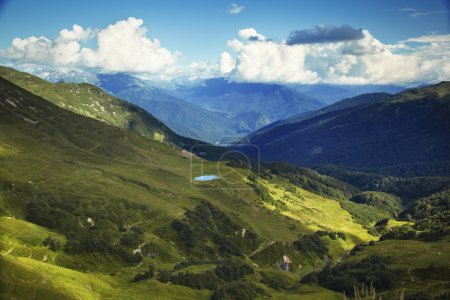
<point>408,129</point>
<point>90,101</point>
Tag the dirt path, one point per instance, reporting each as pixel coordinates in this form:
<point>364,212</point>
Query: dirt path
<point>411,275</point>
<point>9,251</point>
<point>139,250</point>
<point>261,248</point>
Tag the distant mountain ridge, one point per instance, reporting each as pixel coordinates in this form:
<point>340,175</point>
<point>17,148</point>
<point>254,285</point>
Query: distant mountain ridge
<point>365,99</point>
<point>215,110</point>
<point>331,93</point>
<point>411,128</point>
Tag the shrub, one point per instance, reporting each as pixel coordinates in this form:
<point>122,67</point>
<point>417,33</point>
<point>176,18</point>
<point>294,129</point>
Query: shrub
<point>233,270</point>
<point>342,277</point>
<point>51,243</point>
<point>237,290</point>
<point>311,245</point>
<point>207,280</point>
<point>163,276</point>
<point>275,281</point>
<point>131,239</point>
<point>150,273</point>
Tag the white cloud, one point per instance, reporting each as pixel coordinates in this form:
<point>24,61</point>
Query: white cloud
<point>227,63</point>
<point>416,13</point>
<point>363,61</point>
<point>251,34</point>
<point>121,47</point>
<point>76,34</point>
<point>235,9</point>
<point>272,62</point>
<point>124,47</point>
<point>430,38</point>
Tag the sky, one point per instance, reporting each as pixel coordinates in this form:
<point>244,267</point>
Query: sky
<point>345,42</point>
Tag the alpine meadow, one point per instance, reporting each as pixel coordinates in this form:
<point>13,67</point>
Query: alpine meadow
<point>225,150</point>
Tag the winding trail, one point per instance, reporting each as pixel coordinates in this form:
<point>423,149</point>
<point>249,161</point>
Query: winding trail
<point>139,250</point>
<point>262,247</point>
<point>411,275</point>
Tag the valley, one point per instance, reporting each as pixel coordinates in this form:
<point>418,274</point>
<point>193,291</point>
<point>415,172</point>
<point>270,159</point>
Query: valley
<point>95,209</point>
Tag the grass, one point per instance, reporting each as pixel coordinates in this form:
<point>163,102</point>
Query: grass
<point>421,266</point>
<point>70,158</point>
<point>316,212</point>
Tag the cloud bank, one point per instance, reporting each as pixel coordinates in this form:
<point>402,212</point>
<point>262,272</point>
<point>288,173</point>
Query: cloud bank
<point>324,54</point>
<point>337,55</point>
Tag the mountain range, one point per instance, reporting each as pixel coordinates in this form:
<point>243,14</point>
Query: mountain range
<point>217,110</point>
<point>410,130</point>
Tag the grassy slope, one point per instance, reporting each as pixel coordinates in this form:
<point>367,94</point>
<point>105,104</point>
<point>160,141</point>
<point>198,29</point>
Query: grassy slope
<point>45,149</point>
<point>316,212</point>
<point>411,259</point>
<point>90,101</point>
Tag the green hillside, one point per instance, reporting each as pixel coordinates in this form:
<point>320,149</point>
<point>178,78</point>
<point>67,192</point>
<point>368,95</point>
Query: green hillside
<point>97,193</point>
<point>88,100</point>
<point>93,211</point>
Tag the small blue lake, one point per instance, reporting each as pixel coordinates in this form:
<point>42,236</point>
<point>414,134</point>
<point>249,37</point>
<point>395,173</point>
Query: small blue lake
<point>206,178</point>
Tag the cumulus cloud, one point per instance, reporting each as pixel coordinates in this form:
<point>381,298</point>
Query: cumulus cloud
<point>124,47</point>
<point>227,63</point>
<point>76,34</point>
<point>235,9</point>
<point>350,59</point>
<point>324,34</point>
<point>121,47</point>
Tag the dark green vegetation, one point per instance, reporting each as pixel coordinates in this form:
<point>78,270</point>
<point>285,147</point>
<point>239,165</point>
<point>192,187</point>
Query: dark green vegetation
<point>432,212</point>
<point>390,203</point>
<point>206,233</point>
<point>93,211</point>
<point>371,271</point>
<point>408,189</point>
<point>407,133</point>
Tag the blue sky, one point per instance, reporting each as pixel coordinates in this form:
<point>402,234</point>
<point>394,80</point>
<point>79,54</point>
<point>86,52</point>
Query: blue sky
<point>200,29</point>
